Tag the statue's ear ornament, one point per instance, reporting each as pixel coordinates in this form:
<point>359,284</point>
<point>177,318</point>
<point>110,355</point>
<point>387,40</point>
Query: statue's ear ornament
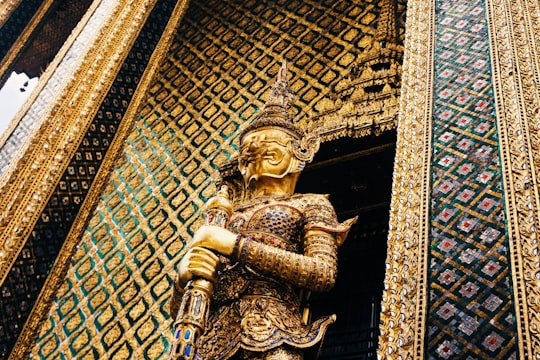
<point>306,148</point>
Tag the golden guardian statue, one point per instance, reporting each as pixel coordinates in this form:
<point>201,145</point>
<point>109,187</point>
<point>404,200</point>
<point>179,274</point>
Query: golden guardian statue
<point>275,247</point>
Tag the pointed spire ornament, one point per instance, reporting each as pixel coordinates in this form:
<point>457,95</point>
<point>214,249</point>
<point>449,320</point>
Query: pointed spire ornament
<point>387,31</point>
<point>275,112</point>
<point>280,94</point>
<point>366,102</point>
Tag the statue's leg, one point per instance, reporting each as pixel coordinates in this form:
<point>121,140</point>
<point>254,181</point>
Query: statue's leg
<point>280,353</point>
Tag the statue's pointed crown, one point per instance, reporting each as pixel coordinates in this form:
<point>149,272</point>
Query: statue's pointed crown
<point>275,112</point>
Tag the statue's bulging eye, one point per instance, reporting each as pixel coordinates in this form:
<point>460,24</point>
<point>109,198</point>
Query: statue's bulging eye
<point>275,155</point>
<point>271,154</point>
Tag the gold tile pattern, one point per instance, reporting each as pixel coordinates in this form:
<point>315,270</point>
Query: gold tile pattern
<point>112,303</point>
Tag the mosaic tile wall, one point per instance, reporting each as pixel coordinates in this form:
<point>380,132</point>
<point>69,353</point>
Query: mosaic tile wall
<point>23,284</point>
<point>471,313</point>
<point>37,110</point>
<point>58,24</point>
<point>16,24</point>
<point>113,302</point>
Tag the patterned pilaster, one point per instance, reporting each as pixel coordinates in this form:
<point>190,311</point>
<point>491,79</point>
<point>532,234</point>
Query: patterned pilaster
<point>463,229</point>
<point>514,28</point>
<point>404,301</point>
<point>471,312</point>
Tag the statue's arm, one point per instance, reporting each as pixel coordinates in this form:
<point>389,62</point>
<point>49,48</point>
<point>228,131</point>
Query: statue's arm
<point>315,269</point>
<point>197,262</point>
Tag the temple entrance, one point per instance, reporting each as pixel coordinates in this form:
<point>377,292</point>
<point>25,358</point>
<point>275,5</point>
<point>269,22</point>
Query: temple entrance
<point>357,173</point>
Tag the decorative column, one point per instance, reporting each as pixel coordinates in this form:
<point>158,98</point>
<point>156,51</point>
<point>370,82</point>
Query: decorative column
<point>462,266</point>
<point>366,102</point>
<point>52,184</point>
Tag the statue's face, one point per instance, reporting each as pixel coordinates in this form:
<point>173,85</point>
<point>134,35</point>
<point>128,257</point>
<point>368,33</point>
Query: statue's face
<point>265,152</point>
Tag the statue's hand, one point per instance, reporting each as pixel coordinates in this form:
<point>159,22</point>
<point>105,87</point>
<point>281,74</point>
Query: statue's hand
<point>198,262</point>
<point>214,238</point>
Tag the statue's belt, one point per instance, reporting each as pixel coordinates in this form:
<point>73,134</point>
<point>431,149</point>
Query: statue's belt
<point>240,281</point>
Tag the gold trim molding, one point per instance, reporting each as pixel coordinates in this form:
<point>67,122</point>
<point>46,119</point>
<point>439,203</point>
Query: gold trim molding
<point>6,9</point>
<point>31,329</point>
<point>34,176</point>
<point>404,303</point>
<point>514,28</point>
<point>49,71</point>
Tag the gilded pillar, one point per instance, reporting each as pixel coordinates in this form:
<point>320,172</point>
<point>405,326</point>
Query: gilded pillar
<point>53,182</point>
<point>514,28</point>
<point>462,265</point>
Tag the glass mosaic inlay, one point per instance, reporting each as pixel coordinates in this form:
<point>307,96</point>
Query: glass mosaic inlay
<point>471,314</point>
<point>24,282</point>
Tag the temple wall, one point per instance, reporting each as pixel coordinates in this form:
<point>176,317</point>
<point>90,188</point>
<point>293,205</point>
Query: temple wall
<point>462,268</point>
<point>113,301</point>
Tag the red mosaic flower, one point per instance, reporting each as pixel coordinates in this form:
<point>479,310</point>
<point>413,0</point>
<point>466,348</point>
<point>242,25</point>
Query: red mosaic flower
<point>447,114</point>
<point>479,64</point>
<point>481,105</point>
<point>462,59</point>
<point>461,24</point>
<point>469,289</point>
<point>466,195</point>
<point>464,121</point>
<point>447,161</point>
<point>465,169</point>
<point>463,99</point>
<point>447,137</point>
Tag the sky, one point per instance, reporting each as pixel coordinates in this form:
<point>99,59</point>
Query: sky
<point>12,98</point>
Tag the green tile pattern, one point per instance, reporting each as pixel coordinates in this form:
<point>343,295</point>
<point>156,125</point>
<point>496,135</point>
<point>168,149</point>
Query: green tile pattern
<point>23,284</point>
<point>471,313</point>
<point>215,77</point>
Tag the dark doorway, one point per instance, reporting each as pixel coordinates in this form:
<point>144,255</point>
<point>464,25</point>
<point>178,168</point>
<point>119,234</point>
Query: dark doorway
<point>357,173</point>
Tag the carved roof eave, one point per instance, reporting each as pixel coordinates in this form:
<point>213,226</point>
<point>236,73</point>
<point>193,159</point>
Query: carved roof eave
<point>370,114</point>
<point>392,76</point>
<point>356,126</point>
<point>391,51</point>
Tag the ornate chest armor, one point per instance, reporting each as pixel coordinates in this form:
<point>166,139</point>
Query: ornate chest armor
<point>257,302</point>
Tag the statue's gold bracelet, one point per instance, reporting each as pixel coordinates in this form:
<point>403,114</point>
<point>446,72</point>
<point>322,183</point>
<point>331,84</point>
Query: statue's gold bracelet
<point>238,246</point>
